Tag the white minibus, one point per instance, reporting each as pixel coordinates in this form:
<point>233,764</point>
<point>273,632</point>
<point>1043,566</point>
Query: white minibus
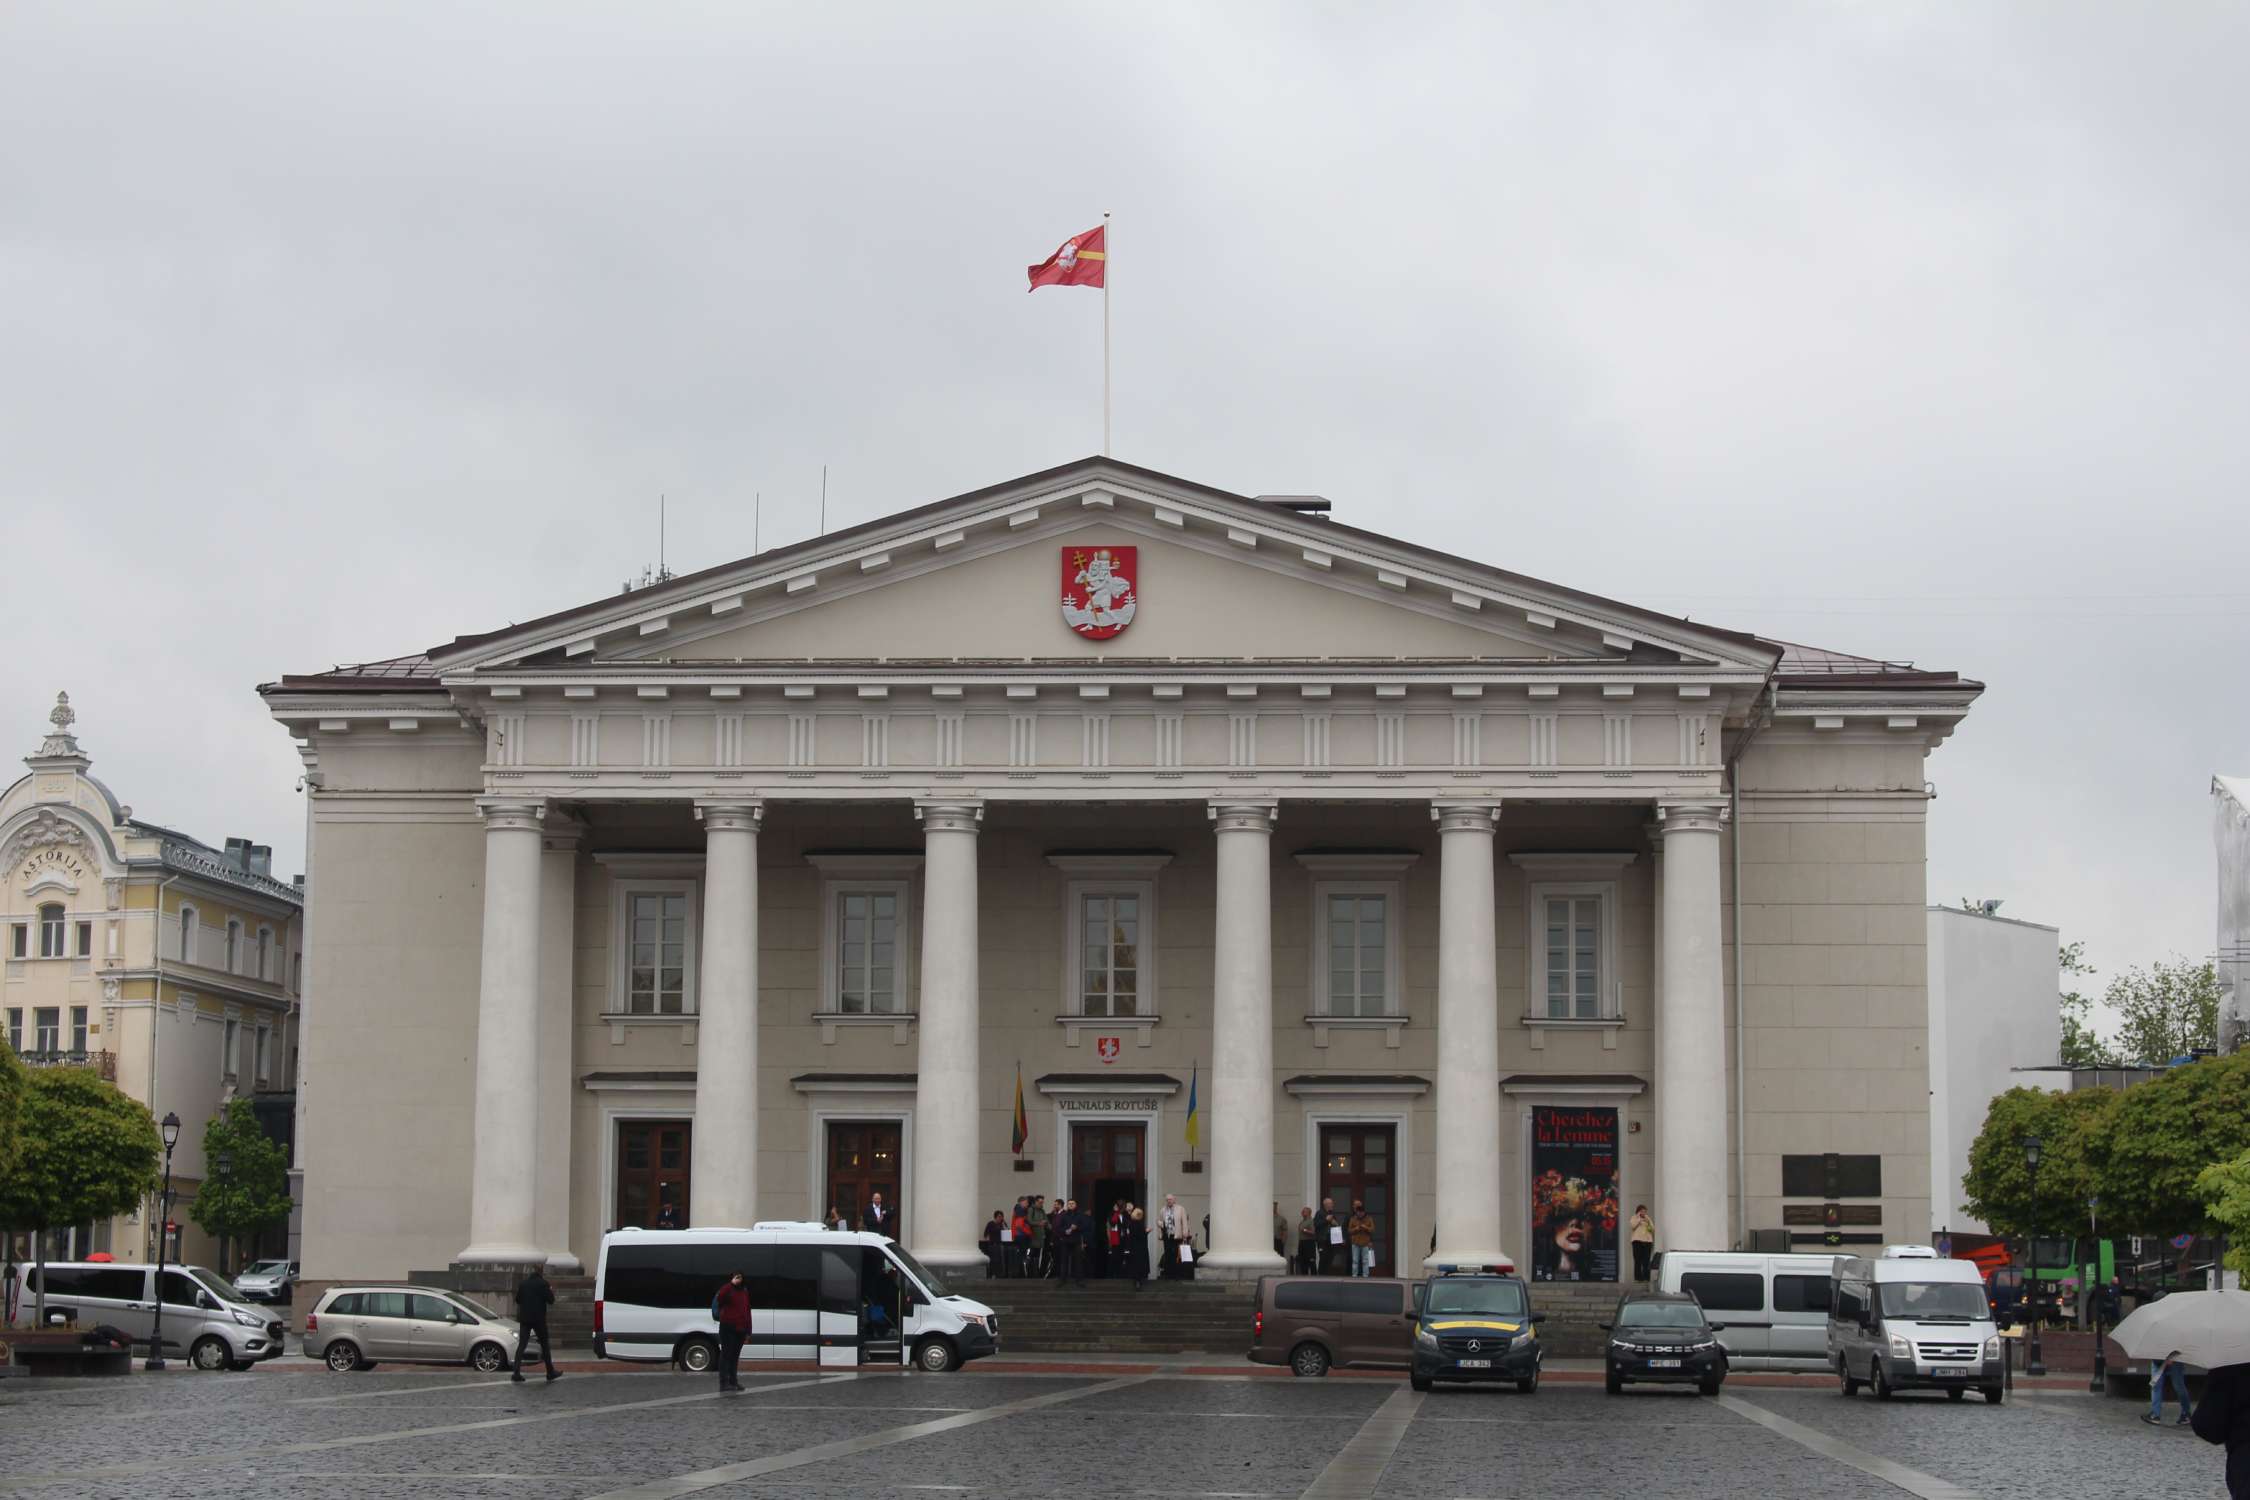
<point>1775,1307</point>
<point>843,1299</point>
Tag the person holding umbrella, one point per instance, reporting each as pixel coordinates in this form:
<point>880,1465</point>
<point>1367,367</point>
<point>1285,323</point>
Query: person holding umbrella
<point>2224,1418</point>
<point>2166,1371</point>
<point>2211,1329</point>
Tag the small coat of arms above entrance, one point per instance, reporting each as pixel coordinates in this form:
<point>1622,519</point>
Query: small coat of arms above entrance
<point>1098,595</point>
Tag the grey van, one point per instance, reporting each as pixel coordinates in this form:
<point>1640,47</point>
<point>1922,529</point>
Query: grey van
<point>358,1327</point>
<point>205,1317</point>
<point>1312,1322</point>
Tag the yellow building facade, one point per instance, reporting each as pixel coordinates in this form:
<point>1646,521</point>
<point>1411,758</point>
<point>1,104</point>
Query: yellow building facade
<point>167,965</point>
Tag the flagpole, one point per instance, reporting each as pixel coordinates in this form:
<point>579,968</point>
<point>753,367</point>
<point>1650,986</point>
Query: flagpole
<point>1109,272</point>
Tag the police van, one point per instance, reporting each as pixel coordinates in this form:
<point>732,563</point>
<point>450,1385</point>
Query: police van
<point>841,1299</point>
<point>1475,1323</point>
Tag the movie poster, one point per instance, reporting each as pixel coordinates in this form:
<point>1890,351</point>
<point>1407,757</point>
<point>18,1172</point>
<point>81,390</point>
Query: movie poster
<point>1573,1193</point>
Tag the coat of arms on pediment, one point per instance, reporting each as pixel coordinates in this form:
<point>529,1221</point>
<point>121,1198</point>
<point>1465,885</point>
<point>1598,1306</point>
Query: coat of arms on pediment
<point>1099,595</point>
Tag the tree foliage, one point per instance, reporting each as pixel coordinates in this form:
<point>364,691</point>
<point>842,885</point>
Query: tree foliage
<point>2073,1131</point>
<point>87,1152</point>
<point>2082,1046</point>
<point>2225,1189</point>
<point>2166,1132</point>
<point>253,1193</point>
<point>2166,1010</point>
<point>11,1111</point>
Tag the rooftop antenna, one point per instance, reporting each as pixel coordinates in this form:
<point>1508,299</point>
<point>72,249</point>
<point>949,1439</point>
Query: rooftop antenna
<point>824,499</point>
<point>661,570</point>
<point>757,511</point>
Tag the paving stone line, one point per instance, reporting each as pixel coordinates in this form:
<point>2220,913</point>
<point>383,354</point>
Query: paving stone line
<point>704,1479</point>
<point>1913,1481</point>
<point>1355,1471</point>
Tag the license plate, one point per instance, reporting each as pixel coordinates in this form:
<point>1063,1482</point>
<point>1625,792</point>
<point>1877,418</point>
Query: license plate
<point>1950,1372</point>
<point>1664,1364</point>
<point>1473,1364</point>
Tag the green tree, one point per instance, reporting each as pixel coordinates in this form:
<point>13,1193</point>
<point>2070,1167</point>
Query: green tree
<point>2167,1010</point>
<point>253,1192</point>
<point>11,1111</point>
<point>2164,1134</point>
<point>2072,1130</point>
<point>2225,1189</point>
<point>88,1152</point>
<point>2082,1045</point>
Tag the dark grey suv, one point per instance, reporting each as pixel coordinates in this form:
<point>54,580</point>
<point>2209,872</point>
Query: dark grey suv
<point>1666,1339</point>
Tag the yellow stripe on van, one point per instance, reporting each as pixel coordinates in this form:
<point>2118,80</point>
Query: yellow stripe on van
<point>1475,1323</point>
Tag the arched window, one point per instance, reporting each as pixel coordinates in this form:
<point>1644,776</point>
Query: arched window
<point>187,934</point>
<point>234,947</point>
<point>51,931</point>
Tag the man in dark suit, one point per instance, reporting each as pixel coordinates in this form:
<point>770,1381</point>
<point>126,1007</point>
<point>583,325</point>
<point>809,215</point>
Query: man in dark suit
<point>1072,1240</point>
<point>1328,1233</point>
<point>533,1298</point>
<point>878,1218</point>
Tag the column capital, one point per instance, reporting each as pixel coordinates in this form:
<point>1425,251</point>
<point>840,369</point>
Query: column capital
<point>950,815</point>
<point>1465,817</point>
<point>1690,817</point>
<point>730,814</point>
<point>516,814</point>
<point>1243,817</point>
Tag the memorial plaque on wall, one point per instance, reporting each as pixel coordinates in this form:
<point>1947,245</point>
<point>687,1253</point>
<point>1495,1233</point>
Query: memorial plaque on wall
<point>1573,1193</point>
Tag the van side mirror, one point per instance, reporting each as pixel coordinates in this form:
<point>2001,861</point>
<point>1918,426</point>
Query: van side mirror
<point>1718,1327</point>
<point>1537,1318</point>
<point>1605,1327</point>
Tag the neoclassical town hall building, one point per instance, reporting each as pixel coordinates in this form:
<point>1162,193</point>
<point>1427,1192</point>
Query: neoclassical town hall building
<point>1495,905</point>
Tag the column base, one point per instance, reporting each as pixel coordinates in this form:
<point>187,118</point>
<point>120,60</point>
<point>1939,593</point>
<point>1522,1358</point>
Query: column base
<point>480,1257</point>
<point>1222,1265</point>
<point>563,1263</point>
<point>956,1261</point>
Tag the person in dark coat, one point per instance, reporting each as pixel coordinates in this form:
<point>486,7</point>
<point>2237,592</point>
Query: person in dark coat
<point>995,1252</point>
<point>1077,1227</point>
<point>1328,1227</point>
<point>1136,1247</point>
<point>732,1306</point>
<point>2224,1418</point>
<point>1308,1258</point>
<point>533,1298</point>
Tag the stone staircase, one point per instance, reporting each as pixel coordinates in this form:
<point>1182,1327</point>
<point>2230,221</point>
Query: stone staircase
<point>1573,1313</point>
<point>1109,1317</point>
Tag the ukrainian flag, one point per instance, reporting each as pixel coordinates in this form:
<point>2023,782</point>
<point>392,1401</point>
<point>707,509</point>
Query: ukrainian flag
<point>1195,1116</point>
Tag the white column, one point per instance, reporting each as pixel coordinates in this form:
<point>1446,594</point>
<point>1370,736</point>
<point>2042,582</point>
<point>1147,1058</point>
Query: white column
<point>946,1206</point>
<point>723,1163</point>
<point>1654,1194</point>
<point>1691,1064</point>
<point>558,937</point>
<point>1468,1041</point>
<point>1241,1102</point>
<point>505,1160</point>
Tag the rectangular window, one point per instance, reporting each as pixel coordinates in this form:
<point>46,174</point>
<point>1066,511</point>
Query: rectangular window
<point>78,1029</point>
<point>15,1029</point>
<point>265,954</point>
<point>1110,952</point>
<point>46,1029</point>
<point>226,1048</point>
<point>1726,1291</point>
<point>262,1041</point>
<point>867,952</point>
<point>1358,949</point>
<point>1800,1294</point>
<point>19,941</point>
<point>85,940</point>
<point>51,932</point>
<point>656,955</point>
<point>1574,971</point>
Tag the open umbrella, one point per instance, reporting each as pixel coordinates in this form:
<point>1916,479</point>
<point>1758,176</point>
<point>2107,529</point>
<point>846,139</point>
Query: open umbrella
<point>2209,1329</point>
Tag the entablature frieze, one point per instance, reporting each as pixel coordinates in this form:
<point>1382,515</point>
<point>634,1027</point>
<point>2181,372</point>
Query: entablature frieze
<point>1216,788</point>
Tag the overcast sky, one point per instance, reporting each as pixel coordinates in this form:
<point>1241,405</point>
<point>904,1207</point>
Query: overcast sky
<point>328,332</point>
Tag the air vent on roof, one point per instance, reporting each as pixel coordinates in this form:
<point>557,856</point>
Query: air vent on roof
<point>1309,504</point>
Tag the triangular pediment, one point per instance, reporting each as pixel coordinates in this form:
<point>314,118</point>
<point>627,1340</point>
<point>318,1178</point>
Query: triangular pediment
<point>1220,577</point>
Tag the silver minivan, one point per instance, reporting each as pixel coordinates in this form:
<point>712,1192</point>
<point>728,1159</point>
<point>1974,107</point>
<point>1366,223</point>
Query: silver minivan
<point>205,1317</point>
<point>358,1327</point>
<point>1775,1307</point>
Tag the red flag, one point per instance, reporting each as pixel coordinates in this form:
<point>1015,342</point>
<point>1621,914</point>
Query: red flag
<point>1080,262</point>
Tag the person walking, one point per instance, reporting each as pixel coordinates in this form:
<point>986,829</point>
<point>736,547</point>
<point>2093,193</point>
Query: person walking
<point>533,1298</point>
<point>1136,1246</point>
<point>1359,1229</point>
<point>2223,1417</point>
<point>732,1309</point>
<point>2170,1371</point>
<point>1328,1239</point>
<point>1643,1236</point>
<point>1306,1250</point>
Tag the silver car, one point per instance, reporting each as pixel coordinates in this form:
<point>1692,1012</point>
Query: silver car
<point>359,1327</point>
<point>267,1280</point>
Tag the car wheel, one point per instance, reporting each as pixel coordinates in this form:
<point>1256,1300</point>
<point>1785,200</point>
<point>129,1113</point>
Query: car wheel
<point>1708,1386</point>
<point>1994,1395</point>
<point>696,1356</point>
<point>1530,1384</point>
<point>242,1364</point>
<point>1844,1376</point>
<point>1955,1394</point>
<point>1309,1359</point>
<point>210,1353</point>
<point>1419,1382</point>
<point>343,1355</point>
<point>1881,1382</point>
<point>1613,1385</point>
<point>488,1358</point>
<point>935,1357</point>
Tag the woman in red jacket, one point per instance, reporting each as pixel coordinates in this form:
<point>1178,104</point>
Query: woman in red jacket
<point>732,1308</point>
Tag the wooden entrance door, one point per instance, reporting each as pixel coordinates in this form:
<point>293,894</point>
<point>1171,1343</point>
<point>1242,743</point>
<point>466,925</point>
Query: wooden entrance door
<point>863,1160</point>
<point>1356,1163</point>
<point>1108,1162</point>
<point>652,1174</point>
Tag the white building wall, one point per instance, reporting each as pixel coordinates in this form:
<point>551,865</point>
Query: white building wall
<point>2230,798</point>
<point>1995,1005</point>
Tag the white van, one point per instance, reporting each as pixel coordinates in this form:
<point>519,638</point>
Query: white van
<point>1775,1307</point>
<point>1908,1318</point>
<point>205,1317</point>
<point>843,1299</point>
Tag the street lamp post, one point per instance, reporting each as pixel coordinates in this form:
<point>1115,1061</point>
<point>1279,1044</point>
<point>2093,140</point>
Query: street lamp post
<point>222,1164</point>
<point>171,1129</point>
<point>2095,1292</point>
<point>2032,1365</point>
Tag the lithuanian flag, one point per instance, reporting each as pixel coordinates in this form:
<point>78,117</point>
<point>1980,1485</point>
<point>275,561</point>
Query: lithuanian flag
<point>1023,1121</point>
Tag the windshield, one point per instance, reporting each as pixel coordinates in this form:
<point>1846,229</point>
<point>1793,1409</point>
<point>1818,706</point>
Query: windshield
<point>1660,1315</point>
<point>219,1286</point>
<point>1919,1299</point>
<point>922,1273</point>
<point>1486,1299</point>
<point>266,1268</point>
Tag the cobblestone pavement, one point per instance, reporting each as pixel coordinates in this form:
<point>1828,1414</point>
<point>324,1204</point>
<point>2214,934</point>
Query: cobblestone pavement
<point>597,1436</point>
